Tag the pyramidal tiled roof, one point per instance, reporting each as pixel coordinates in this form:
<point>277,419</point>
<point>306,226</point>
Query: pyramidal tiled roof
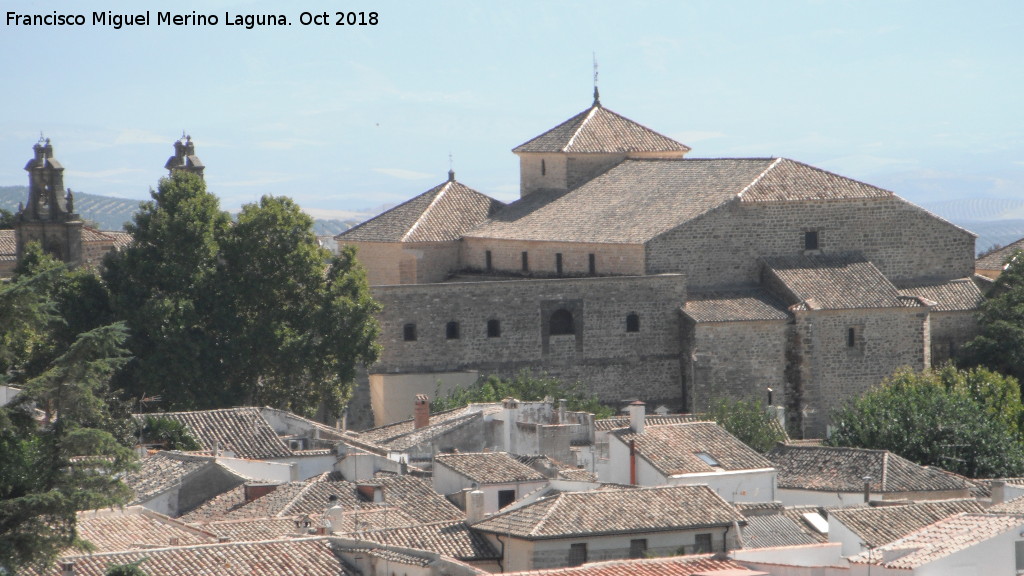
<point>440,214</point>
<point>599,130</point>
<point>574,514</point>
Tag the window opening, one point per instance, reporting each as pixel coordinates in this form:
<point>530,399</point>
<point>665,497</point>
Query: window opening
<point>593,263</point>
<point>562,323</point>
<point>526,262</point>
<point>811,240</point>
<point>487,261</point>
<point>702,543</point>
<point>632,322</point>
<point>506,497</point>
<point>543,168</point>
<point>494,328</point>
<point>851,337</point>
<point>451,331</point>
<point>409,332</point>
<point>558,263</point>
<point>577,554</point>
<point>638,548</point>
<point>707,458</point>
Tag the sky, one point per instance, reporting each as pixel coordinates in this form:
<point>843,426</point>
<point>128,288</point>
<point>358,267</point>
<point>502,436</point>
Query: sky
<point>919,97</point>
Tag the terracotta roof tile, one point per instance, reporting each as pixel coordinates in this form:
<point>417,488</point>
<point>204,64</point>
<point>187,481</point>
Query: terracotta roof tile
<point>673,449</point>
<point>843,470</point>
<point>599,130</point>
<point>614,511</point>
<point>242,431</point>
<point>774,530</point>
<point>940,540</point>
<point>998,258</point>
<point>254,529</point>
<point>135,528</point>
<point>488,467</point>
<point>787,180</point>
<point>440,214</point>
<point>672,566</point>
<point>164,471</point>
<point>649,420</point>
<point>8,245</point>
<point>833,282</point>
<point>949,295</point>
<point>454,539</point>
<point>652,196</point>
<point>734,306</point>
<point>878,526</point>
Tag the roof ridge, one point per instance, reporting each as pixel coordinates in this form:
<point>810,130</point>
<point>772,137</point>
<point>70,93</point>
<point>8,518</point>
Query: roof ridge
<point>763,173</point>
<point>423,214</point>
<point>590,114</point>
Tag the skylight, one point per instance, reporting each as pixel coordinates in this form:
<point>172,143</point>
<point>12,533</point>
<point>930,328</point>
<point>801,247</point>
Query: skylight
<point>707,458</point>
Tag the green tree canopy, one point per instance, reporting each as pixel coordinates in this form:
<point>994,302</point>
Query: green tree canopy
<point>749,421</point>
<point>523,386</point>
<point>963,421</point>
<point>6,219</point>
<point>1000,344</point>
<point>251,313</point>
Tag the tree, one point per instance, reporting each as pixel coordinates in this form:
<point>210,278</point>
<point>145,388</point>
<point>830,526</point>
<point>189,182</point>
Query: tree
<point>1000,345</point>
<point>523,386</point>
<point>132,569</point>
<point>168,434</point>
<point>254,313</point>
<point>6,219</point>
<point>748,421</point>
<point>963,421</point>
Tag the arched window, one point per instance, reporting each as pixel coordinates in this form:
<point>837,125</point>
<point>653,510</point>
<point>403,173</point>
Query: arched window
<point>494,328</point>
<point>632,322</point>
<point>451,331</point>
<point>562,323</point>
<point>409,332</point>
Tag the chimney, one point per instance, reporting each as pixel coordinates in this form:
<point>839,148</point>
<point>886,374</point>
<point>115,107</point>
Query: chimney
<point>222,539</point>
<point>474,506</point>
<point>632,462</point>
<point>421,412</point>
<point>998,492</point>
<point>175,541</point>
<point>371,491</point>
<point>562,406</point>
<point>637,415</point>
<point>335,518</point>
<point>67,568</point>
<point>867,489</point>
<point>254,491</point>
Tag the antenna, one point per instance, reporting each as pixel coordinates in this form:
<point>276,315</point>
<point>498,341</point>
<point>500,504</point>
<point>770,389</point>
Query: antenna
<point>597,95</point>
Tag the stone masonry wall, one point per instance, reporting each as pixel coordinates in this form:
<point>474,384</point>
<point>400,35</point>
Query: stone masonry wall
<point>380,259</point>
<point>407,262</point>
<point>613,363</point>
<point>826,371</point>
<point>722,247</point>
<point>737,360</point>
<point>507,256</point>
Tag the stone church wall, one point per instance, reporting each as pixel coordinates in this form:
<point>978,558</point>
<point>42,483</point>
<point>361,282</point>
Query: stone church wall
<point>825,371</point>
<point>507,256</point>
<point>407,262</point>
<point>734,360</point>
<point>609,360</point>
<point>722,247</point>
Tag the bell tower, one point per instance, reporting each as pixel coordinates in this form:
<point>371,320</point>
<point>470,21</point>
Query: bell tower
<point>49,218</point>
<point>185,158</point>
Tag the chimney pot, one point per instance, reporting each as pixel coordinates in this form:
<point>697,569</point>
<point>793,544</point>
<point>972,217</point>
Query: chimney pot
<point>421,412</point>
<point>637,416</point>
<point>67,567</point>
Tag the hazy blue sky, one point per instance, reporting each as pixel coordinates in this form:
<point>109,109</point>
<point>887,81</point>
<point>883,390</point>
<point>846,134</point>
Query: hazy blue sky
<point>922,97</point>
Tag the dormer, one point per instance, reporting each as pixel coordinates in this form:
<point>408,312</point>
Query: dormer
<point>586,145</point>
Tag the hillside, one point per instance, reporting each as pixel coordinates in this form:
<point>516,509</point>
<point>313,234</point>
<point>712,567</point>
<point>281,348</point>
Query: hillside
<point>110,213</point>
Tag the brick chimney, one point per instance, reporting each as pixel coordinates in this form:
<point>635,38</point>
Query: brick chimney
<point>421,412</point>
<point>254,491</point>
<point>637,416</point>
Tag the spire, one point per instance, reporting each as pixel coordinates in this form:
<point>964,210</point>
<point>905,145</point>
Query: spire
<point>597,95</point>
<point>451,170</point>
<point>185,158</point>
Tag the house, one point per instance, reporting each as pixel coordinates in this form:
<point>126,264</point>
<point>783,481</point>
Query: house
<point>858,529</point>
<point>829,476</point>
<point>962,544</point>
<point>687,453</point>
<point>136,528</point>
<point>692,565</point>
<point>173,483</point>
<point>992,264</point>
<point>501,478</point>
<point>571,528</point>
<point>454,539</point>
<point>625,260</point>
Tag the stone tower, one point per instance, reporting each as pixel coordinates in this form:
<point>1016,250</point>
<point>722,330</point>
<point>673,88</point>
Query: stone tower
<point>185,157</point>
<point>49,218</point>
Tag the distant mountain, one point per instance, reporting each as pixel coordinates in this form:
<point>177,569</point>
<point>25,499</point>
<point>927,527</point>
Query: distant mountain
<point>110,213</point>
<point>996,221</point>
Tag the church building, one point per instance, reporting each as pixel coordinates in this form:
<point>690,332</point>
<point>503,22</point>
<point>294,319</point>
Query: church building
<point>644,274</point>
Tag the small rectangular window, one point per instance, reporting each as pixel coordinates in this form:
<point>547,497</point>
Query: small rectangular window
<point>851,337</point>
<point>494,328</point>
<point>593,263</point>
<point>577,554</point>
<point>526,261</point>
<point>558,263</point>
<point>409,332</point>
<point>506,497</point>
<point>451,331</point>
<point>488,264</point>
<point>811,240</point>
<point>702,544</point>
<point>638,548</point>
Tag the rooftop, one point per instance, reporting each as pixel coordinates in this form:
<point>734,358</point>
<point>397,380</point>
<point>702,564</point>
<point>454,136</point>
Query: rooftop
<point>488,467</point>
<point>949,295</point>
<point>881,525</point>
<point>677,448</point>
<point>693,565</point>
<point>243,431</point>
<point>599,130</point>
<point>833,282</point>
<point>735,306</point>
<point>451,538</point>
<point>135,528</point>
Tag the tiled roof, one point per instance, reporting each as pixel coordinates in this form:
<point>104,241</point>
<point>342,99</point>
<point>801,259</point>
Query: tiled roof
<point>252,529</point>
<point>440,214</point>
<point>243,431</point>
<point>734,306</point>
<point>93,235</point>
<point>833,282</point>
<point>652,196</point>
<point>488,467</point>
<point>774,530</point>
<point>403,435</point>
<point>605,424</point>
<point>703,564</point>
<point>164,471</point>
<point>121,238</point>
<point>950,295</point>
<point>939,540</point>
<point>454,539</point>
<point>787,180</point>
<point>135,528</point>
<point>997,259</point>
<point>843,470</point>
<point>614,511</point>
<point>798,514</point>
<point>673,449</point>
<point>878,526</point>
<point>579,474</point>
<point>599,130</point>
<point>1015,506</point>
<point>8,245</point>
<point>310,557</point>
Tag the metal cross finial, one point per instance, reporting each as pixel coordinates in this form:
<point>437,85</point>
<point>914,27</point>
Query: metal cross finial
<point>597,95</point>
<point>451,169</point>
